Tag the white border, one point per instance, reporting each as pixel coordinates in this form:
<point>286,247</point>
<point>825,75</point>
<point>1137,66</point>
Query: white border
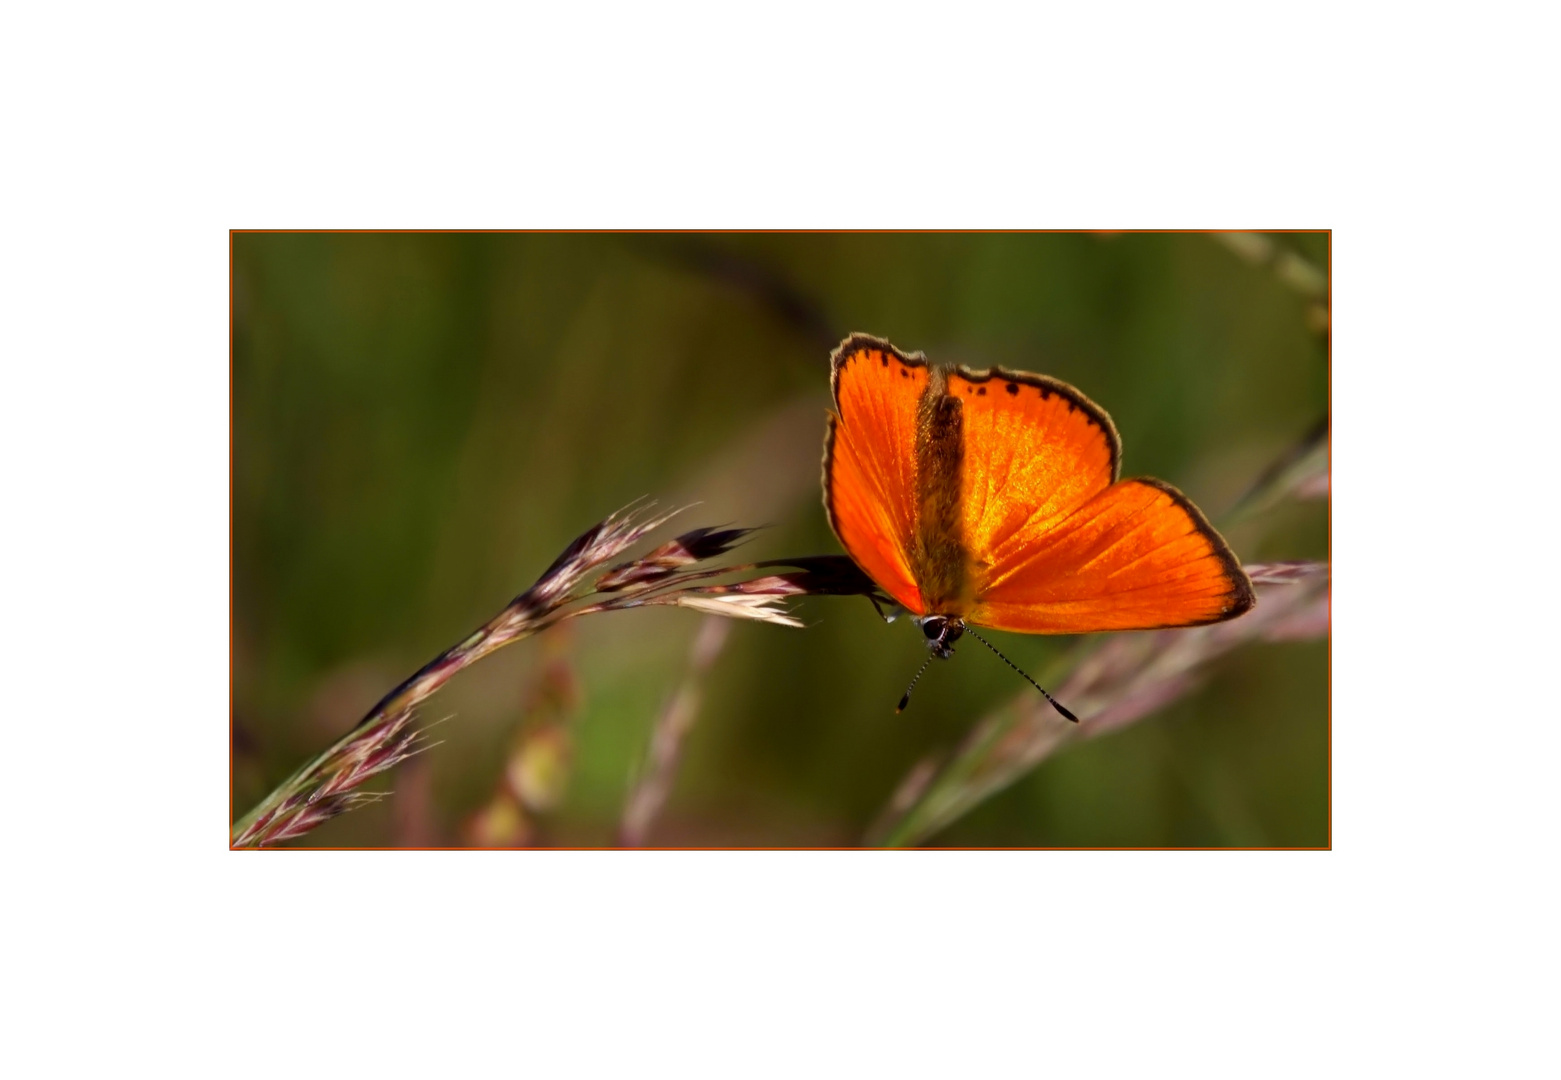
<point>137,136</point>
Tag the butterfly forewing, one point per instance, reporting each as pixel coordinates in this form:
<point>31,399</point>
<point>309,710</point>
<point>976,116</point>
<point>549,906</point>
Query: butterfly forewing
<point>870,462</point>
<point>1035,450</point>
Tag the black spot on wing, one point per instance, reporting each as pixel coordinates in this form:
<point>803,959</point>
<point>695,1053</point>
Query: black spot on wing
<point>862,346</point>
<point>1049,387</point>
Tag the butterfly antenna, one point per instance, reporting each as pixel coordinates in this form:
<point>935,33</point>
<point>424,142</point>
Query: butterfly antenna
<point>1017,668</point>
<point>906,700</point>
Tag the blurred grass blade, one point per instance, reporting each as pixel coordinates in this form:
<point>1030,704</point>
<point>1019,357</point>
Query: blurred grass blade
<point>1110,683</point>
<point>540,758</point>
<point>654,784</point>
<point>1301,472</point>
<point>1292,268</point>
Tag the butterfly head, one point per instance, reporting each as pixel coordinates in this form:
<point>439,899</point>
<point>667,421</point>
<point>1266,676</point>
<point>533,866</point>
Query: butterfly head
<point>941,632</point>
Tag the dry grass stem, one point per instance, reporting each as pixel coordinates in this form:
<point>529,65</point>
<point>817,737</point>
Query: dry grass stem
<point>326,786</point>
<point>298,807</point>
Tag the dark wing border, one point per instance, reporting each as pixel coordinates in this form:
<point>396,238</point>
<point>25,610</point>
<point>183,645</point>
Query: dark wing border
<point>1242,596</point>
<point>850,347</point>
<point>857,343</point>
<point>1075,398</point>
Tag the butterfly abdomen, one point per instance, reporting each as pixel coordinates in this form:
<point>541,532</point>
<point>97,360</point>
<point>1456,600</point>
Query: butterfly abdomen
<point>939,557</point>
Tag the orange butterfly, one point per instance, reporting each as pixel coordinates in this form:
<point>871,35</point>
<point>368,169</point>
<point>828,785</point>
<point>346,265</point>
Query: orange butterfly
<point>991,498</point>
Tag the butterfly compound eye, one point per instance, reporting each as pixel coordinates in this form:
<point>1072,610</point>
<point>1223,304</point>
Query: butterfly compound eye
<point>932,628</point>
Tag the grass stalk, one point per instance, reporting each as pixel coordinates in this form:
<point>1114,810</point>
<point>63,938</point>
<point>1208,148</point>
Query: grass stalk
<point>327,785</point>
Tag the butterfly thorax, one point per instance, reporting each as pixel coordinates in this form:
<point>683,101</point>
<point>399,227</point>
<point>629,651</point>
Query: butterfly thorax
<point>939,558</point>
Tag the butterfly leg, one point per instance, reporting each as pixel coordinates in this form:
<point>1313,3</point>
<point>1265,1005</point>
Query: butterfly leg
<point>879,603</point>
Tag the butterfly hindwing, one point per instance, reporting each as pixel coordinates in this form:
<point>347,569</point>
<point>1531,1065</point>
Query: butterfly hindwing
<point>870,461</point>
<point>1137,556</point>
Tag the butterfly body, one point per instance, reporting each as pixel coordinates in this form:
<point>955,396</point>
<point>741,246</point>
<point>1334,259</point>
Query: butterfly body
<point>992,498</point>
<point>939,560</point>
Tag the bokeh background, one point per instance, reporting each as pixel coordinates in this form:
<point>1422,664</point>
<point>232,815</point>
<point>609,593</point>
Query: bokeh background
<point>421,423</point>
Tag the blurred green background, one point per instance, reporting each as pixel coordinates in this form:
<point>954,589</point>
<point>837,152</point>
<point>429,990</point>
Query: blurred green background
<point>421,423</point>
